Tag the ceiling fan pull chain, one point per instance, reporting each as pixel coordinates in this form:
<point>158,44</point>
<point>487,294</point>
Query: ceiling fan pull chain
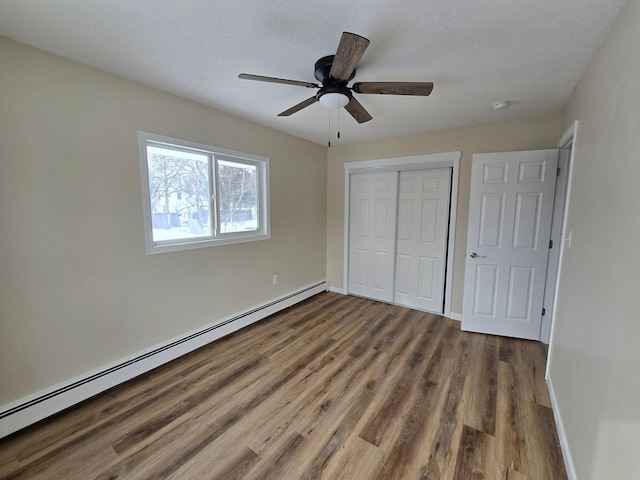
<point>338,124</point>
<point>329,129</point>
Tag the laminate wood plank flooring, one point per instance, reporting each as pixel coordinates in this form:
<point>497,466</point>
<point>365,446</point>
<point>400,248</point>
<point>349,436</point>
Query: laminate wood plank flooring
<point>336,387</point>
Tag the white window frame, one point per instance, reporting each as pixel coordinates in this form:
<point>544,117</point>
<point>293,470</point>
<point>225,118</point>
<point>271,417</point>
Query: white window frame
<point>214,153</point>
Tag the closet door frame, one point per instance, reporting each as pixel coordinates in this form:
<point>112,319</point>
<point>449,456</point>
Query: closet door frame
<point>415,162</point>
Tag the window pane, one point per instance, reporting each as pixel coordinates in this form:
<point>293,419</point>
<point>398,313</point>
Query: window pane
<point>179,194</point>
<point>238,196</point>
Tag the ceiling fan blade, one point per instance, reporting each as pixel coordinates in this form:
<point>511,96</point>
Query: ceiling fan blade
<point>357,111</point>
<point>350,51</point>
<point>298,107</point>
<point>394,88</point>
<point>260,78</point>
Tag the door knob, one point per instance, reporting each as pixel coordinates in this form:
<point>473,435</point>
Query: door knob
<point>475,255</point>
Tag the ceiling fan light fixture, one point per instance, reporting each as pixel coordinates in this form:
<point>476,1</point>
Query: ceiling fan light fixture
<point>334,100</point>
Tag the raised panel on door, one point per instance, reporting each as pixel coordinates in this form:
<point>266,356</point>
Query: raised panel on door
<point>519,295</point>
<point>372,222</point>
<point>490,219</point>
<point>527,220</point>
<point>486,293</point>
<point>359,269</point>
<point>423,214</point>
<point>428,278</point>
<point>510,209</point>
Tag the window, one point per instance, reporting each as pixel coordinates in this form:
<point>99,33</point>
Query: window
<point>198,196</point>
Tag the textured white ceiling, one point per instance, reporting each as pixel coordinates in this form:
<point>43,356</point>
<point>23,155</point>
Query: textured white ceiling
<point>530,52</point>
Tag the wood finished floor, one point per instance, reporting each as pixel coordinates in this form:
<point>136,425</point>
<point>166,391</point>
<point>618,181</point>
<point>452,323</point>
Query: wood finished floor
<point>334,388</point>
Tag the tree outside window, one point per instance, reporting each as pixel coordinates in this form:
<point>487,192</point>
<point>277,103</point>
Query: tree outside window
<point>199,196</point>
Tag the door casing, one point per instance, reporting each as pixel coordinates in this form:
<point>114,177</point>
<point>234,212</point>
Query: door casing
<point>568,140</point>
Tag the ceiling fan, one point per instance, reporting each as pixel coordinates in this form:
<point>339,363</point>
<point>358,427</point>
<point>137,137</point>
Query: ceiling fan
<point>334,72</point>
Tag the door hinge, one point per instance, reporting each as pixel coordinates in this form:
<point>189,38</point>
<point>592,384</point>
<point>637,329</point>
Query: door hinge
<point>558,172</point>
<point>550,243</point>
<point>543,311</point>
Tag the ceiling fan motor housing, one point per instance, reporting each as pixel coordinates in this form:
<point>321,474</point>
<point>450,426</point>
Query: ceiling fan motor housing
<point>330,84</point>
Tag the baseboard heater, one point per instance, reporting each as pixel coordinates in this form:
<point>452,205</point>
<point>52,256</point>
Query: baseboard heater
<point>43,404</point>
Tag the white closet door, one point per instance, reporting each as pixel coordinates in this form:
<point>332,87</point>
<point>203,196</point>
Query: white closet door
<point>423,217</point>
<point>372,228</point>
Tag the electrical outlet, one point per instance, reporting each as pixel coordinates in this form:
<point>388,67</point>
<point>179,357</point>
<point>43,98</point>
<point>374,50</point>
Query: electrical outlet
<point>275,279</point>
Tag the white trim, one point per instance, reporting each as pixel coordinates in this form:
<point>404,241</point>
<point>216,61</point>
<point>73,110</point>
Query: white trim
<point>569,138</point>
<point>569,135</point>
<point>345,231</point>
<point>553,261</point>
<point>341,291</point>
<point>414,162</point>
<point>453,209</point>
<point>455,316</point>
<point>562,435</point>
<point>405,163</point>
<point>33,408</point>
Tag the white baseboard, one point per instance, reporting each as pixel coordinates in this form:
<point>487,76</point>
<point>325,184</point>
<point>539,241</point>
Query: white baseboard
<point>341,291</point>
<point>34,408</point>
<point>562,435</point>
<point>455,316</point>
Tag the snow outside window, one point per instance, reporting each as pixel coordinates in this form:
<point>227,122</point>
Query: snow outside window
<point>197,196</point>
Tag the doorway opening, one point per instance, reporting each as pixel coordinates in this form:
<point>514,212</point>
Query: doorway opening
<point>567,146</point>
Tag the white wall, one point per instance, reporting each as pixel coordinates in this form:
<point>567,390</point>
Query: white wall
<point>595,358</point>
<point>76,289</point>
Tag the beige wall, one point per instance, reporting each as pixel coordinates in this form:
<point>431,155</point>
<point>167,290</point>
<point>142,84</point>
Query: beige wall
<point>530,134</point>
<point>595,358</point>
<point>76,288</point>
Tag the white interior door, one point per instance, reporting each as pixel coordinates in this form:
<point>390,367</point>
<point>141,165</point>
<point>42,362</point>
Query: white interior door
<point>421,249</point>
<point>510,211</point>
<point>372,228</point>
